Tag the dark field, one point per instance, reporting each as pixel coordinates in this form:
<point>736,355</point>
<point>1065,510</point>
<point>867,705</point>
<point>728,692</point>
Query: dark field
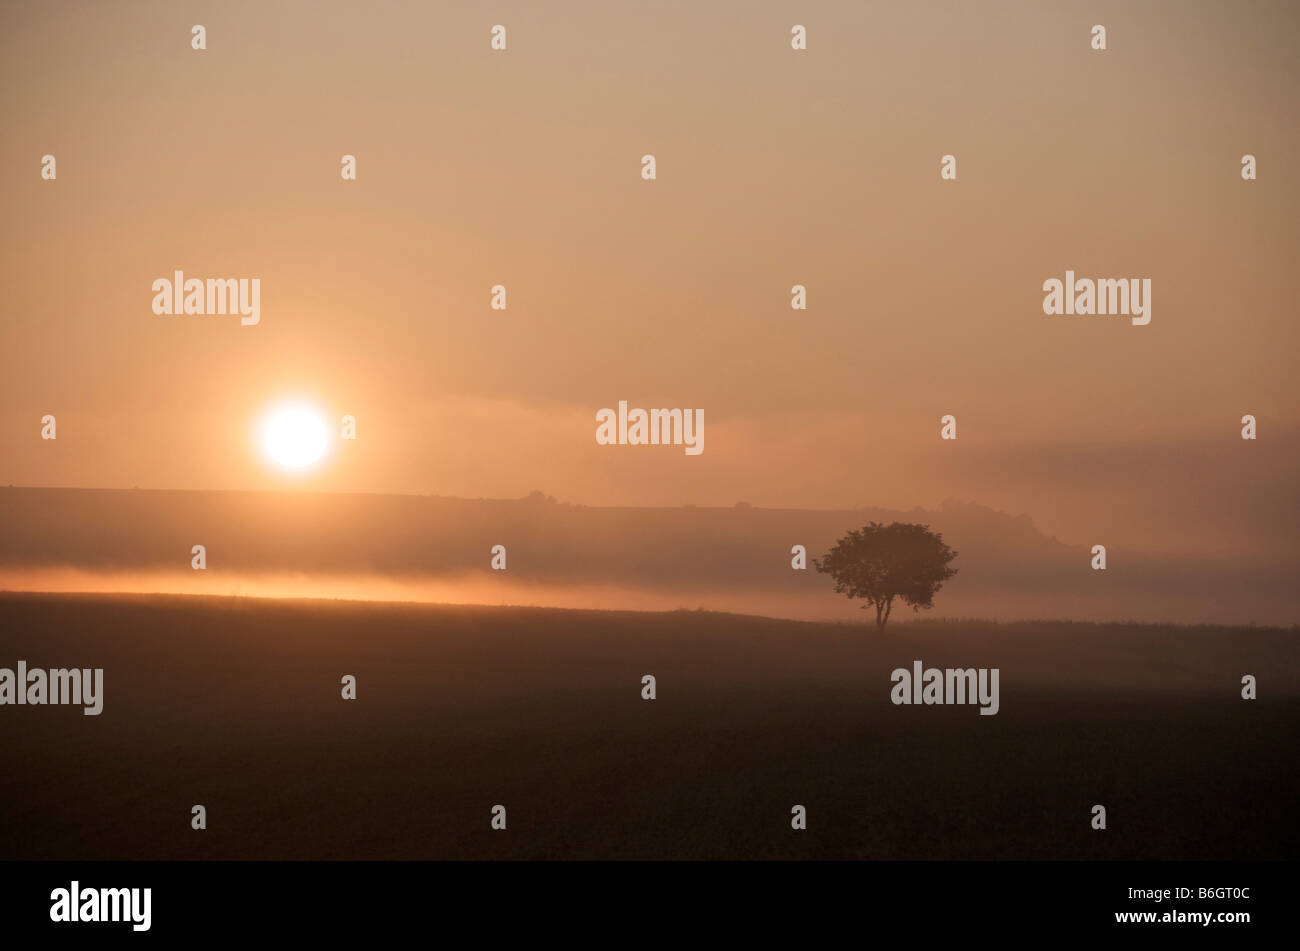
<point>235,704</point>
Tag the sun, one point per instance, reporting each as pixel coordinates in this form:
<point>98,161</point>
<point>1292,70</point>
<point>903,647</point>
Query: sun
<point>294,436</point>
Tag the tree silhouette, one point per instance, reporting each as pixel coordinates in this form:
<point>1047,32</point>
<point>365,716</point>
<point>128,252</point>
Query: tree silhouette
<point>882,562</point>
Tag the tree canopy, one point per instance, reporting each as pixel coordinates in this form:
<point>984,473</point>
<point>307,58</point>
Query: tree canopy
<point>880,563</point>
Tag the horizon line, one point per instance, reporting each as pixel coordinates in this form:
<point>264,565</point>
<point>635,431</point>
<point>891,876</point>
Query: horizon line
<point>546,497</point>
<point>866,624</point>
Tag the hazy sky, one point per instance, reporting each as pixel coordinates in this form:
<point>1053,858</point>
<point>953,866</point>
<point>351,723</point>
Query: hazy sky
<point>775,167</point>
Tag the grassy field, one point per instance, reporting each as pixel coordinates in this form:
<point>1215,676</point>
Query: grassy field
<point>235,704</point>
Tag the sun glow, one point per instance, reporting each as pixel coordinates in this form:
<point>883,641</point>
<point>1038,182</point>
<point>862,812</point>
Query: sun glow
<point>294,436</point>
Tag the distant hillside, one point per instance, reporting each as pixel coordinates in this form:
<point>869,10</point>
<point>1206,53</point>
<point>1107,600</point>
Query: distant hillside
<point>738,558</point>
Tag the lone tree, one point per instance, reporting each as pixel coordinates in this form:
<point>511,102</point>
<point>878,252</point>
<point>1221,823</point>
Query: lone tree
<point>882,562</point>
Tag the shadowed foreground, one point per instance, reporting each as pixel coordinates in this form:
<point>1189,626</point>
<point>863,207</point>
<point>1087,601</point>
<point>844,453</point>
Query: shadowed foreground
<point>235,704</point>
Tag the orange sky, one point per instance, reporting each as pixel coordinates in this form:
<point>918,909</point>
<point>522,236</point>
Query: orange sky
<point>774,167</point>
